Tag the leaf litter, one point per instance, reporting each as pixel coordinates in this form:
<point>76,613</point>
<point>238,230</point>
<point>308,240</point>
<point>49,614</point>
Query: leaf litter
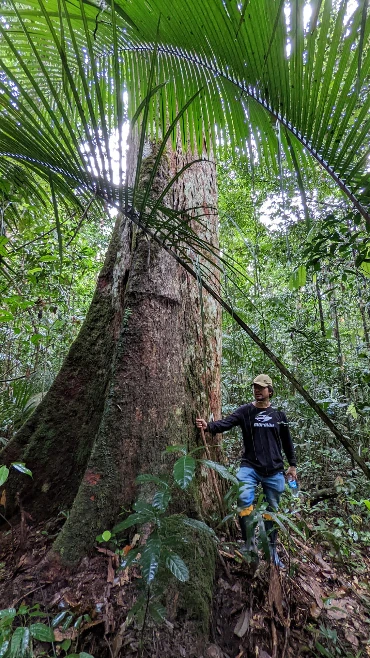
<point>257,612</point>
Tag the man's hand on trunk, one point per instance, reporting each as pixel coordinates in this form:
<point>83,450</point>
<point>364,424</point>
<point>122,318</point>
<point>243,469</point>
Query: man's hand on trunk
<point>201,423</point>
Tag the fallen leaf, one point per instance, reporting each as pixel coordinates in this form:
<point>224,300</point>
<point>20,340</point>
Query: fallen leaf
<point>90,624</point>
<point>339,593</point>
<point>324,565</point>
<point>214,651</point>
<point>242,625</point>
<point>258,621</point>
<point>237,588</point>
<point>69,634</point>
<point>311,586</point>
<point>118,640</point>
<point>3,498</point>
<point>315,611</point>
<point>351,638</point>
<point>222,583</point>
<point>340,609</point>
<point>263,654</point>
<point>68,597</point>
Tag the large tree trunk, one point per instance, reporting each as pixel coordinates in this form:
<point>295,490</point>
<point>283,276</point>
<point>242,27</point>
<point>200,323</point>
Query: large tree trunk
<point>130,385</point>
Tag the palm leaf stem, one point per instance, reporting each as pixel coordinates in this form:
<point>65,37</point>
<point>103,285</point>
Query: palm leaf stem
<point>79,224</point>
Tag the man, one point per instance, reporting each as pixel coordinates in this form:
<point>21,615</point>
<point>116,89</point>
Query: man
<point>265,433</point>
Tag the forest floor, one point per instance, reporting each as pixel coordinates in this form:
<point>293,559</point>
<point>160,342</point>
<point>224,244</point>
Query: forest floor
<point>316,607</point>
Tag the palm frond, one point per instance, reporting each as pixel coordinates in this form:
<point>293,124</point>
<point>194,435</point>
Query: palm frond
<point>311,77</point>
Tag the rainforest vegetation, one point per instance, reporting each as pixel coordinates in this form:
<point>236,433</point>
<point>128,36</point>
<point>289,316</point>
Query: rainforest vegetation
<point>184,202</point>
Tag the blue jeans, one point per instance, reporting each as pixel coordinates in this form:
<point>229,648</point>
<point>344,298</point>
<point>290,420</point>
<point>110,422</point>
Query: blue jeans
<point>272,485</point>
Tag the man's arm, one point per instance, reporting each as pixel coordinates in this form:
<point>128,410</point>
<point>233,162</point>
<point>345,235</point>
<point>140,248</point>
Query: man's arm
<point>223,425</point>
<point>287,443</point>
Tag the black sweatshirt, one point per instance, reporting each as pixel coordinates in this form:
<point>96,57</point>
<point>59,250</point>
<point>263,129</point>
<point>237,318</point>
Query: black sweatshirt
<point>265,433</point>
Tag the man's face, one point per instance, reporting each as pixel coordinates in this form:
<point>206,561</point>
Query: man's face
<point>261,393</point>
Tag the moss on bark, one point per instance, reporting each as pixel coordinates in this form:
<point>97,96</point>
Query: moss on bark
<point>56,441</point>
<point>193,598</point>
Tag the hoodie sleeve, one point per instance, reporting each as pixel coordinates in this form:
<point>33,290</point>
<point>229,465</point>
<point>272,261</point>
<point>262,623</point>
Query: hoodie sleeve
<point>219,426</point>
<point>286,440</point>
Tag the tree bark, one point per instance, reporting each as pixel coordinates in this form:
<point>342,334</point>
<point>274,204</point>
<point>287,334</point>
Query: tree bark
<point>131,384</point>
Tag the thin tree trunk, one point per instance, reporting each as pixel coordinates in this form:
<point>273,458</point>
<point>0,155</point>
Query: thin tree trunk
<point>363,314</point>
<point>340,360</point>
<point>321,313</point>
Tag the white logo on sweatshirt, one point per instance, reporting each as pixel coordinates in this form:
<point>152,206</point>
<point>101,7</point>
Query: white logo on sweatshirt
<point>262,420</point>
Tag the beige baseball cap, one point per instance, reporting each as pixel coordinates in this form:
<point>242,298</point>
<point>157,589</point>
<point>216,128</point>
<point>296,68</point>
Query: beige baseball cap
<point>263,380</point>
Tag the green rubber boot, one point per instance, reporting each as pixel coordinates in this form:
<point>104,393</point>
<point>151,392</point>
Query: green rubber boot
<point>249,546</point>
<point>271,532</point>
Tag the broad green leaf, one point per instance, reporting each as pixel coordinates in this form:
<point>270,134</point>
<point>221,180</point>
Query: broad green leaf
<point>66,644</point>
<point>351,411</point>
<point>67,622</point>
<point>161,500</point>
<point>19,466</point>
<point>157,612</point>
<point>7,613</point>
<point>4,472</point>
<point>19,645</point>
<point>138,608</point>
<point>6,316</point>
<point>4,646</point>
<point>199,525</point>
<point>150,558</point>
<point>298,278</point>
<point>183,471</point>
<point>142,507</point>
<point>58,618</point>
<point>133,519</point>
<point>146,477</point>
<point>323,652</point>
<point>42,632</point>
<point>367,503</point>
<point>83,654</point>
<point>36,338</point>
<point>365,267</point>
<point>278,518</point>
<point>177,448</point>
<point>221,470</point>
<point>48,259</point>
<point>106,535</point>
<point>177,566</point>
<point>78,622</point>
